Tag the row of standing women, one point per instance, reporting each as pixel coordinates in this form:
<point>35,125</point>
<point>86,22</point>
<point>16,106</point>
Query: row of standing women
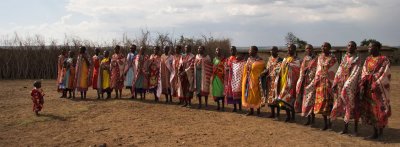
<point>317,84</point>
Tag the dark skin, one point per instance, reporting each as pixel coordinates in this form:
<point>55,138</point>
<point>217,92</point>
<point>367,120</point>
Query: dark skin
<point>309,50</point>
<point>233,51</point>
<point>200,50</point>
<point>133,49</point>
<point>274,52</point>
<point>97,51</point>
<point>187,49</point>
<point>326,49</point>
<point>166,50</point>
<point>253,54</point>
<point>373,50</point>
<point>64,52</point>
<point>351,48</point>
<point>82,51</point>
<point>291,50</point>
<point>178,50</point>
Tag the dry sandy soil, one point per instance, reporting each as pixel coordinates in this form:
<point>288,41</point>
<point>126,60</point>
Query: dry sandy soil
<point>125,122</point>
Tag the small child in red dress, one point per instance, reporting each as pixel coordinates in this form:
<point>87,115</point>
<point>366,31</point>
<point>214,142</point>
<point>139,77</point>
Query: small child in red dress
<point>37,97</point>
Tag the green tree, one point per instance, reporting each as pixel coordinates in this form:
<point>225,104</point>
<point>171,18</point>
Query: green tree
<point>366,42</point>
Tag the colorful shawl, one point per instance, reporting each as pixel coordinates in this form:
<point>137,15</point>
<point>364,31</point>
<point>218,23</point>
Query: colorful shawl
<point>326,68</point>
<point>104,78</point>
<point>96,64</point>
<point>174,74</point>
<point>273,68</point>
<point>305,89</point>
<point>285,82</point>
<point>375,87</point>
<point>60,63</point>
<point>186,79</point>
<point>117,71</point>
<point>251,92</point>
<point>202,72</point>
<point>153,69</point>
<point>129,69</point>
<point>83,72</point>
<point>345,88</point>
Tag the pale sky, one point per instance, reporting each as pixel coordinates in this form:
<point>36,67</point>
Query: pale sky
<point>246,22</point>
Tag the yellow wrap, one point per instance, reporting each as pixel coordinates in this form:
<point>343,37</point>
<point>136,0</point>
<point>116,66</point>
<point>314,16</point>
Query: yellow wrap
<point>253,99</point>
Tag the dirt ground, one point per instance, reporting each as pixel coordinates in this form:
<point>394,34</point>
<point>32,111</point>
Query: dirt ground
<point>126,122</point>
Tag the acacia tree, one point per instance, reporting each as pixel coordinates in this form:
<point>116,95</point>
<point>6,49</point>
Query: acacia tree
<point>290,38</point>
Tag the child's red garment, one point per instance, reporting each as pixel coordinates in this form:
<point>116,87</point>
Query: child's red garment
<point>37,99</point>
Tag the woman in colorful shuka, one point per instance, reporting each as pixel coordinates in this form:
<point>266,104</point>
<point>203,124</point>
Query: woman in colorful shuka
<point>96,59</point>
<point>345,88</point>
<point>326,68</point>
<point>175,72</point>
<point>154,71</point>
<point>82,77</point>
<point>217,78</point>
<point>186,77</point>
<point>375,90</point>
<point>130,70</point>
<point>233,80</point>
<point>305,89</point>
<point>251,88</point>
<point>268,78</point>
<point>202,73</point>
<point>140,77</point>
<point>68,74</point>
<point>166,71</point>
<point>104,78</point>
<point>60,63</point>
<point>286,81</point>
<point>117,71</point>
<point>37,97</point>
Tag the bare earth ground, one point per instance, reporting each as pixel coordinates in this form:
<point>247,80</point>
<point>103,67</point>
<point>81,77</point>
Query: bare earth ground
<point>126,122</point>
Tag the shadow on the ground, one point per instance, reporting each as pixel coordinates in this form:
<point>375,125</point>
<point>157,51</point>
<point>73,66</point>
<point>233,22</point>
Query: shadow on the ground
<point>390,135</point>
<point>52,116</point>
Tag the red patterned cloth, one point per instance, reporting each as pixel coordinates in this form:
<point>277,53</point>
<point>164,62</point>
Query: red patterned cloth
<point>375,85</point>
<point>326,68</point>
<point>95,73</point>
<point>37,99</point>
<point>117,71</point>
<point>305,88</point>
<point>345,87</point>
